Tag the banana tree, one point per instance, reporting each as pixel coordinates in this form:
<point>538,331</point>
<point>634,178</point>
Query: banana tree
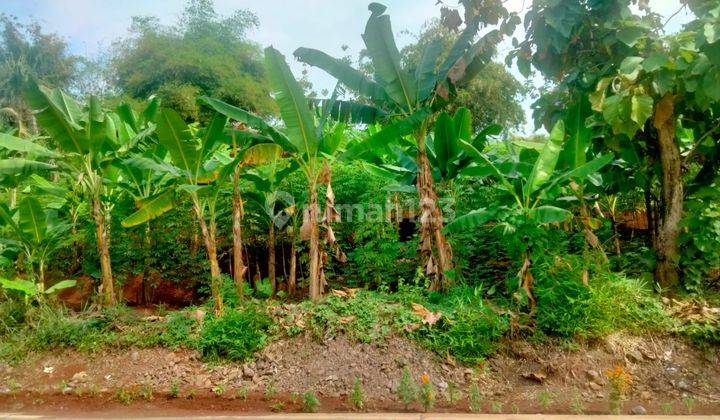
<point>270,204</point>
<point>89,139</point>
<point>36,233</point>
<point>406,101</point>
<point>20,158</point>
<point>308,146</point>
<point>531,191</point>
<point>199,169</point>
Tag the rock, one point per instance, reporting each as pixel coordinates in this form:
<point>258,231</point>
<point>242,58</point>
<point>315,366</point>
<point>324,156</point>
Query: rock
<point>634,356</point>
<point>4,390</point>
<point>248,372</point>
<point>135,356</point>
<point>49,369</point>
<point>80,377</point>
<point>682,385</point>
<point>645,396</point>
<point>638,410</point>
<point>442,385</point>
<point>648,354</point>
<point>593,376</point>
<point>595,386</point>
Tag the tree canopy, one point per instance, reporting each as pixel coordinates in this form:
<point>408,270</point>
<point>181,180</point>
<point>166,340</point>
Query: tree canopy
<point>202,53</point>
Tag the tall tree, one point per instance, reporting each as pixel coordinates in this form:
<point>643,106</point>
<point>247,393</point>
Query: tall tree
<point>201,54</point>
<point>644,86</point>
<point>26,52</point>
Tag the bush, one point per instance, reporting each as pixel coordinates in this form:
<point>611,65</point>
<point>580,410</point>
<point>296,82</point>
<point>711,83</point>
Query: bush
<point>237,335</point>
<point>611,302</point>
<point>468,328</point>
<point>180,330</point>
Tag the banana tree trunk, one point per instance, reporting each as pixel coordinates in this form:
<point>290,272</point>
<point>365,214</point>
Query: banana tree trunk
<point>435,251</point>
<point>315,280</point>
<point>208,235</point>
<point>292,277</point>
<point>671,200</point>
<point>12,198</point>
<point>41,275</point>
<point>239,267</point>
<point>271,257</point>
<point>103,243</point>
<point>145,286</point>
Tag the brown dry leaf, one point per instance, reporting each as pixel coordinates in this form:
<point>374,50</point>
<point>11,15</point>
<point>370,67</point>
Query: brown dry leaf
<point>538,376</point>
<point>346,319</point>
<point>339,293</point>
<point>305,228</point>
<point>411,327</point>
<point>429,318</point>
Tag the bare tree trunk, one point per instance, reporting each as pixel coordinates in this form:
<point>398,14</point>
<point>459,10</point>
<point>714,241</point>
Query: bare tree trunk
<point>208,234</point>
<point>315,280</point>
<point>435,250</point>
<point>271,257</point>
<point>667,247</point>
<point>103,243</point>
<point>239,267</point>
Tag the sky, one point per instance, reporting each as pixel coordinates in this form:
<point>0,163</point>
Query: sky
<point>90,26</point>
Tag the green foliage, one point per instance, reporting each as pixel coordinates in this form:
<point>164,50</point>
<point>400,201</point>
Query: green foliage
<point>201,53</point>
<point>475,398</point>
<point>701,241</point>
<point>407,388</point>
<point>237,335</point>
<point>610,302</point>
<point>310,402</point>
<point>468,328</point>
<point>356,397</point>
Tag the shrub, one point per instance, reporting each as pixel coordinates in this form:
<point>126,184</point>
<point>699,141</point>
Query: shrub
<point>567,308</point>
<point>235,336</point>
<point>180,330</point>
<point>356,397</point>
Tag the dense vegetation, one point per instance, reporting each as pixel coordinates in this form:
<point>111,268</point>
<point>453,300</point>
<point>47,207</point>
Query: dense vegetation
<point>207,178</point>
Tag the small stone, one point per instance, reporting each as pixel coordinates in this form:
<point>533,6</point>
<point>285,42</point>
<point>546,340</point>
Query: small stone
<point>248,372</point>
<point>634,356</point>
<point>80,377</point>
<point>645,396</point>
<point>594,386</point>
<point>135,356</point>
<point>442,385</point>
<point>48,369</point>
<point>681,384</point>
<point>593,376</point>
<point>638,410</point>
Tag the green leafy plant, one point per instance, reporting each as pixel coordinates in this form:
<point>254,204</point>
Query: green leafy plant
<point>237,335</point>
<point>310,402</point>
<point>356,397</point>
<point>475,398</point>
<point>407,389</point>
<point>426,392</point>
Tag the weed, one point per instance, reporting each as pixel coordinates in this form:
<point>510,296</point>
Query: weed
<point>124,396</point>
<point>545,398</point>
<point>407,389</point>
<point>237,335</point>
<point>146,392</point>
<point>452,393</point>
<point>427,392</point>
<point>13,385</point>
<point>514,408</point>
<point>356,398</point>
<point>219,389</point>
<point>269,392</point>
<point>294,397</point>
<point>689,403</point>
<point>475,398</point>
<point>619,381</point>
<point>310,402</point>
<point>242,393</point>
<point>577,405</point>
<point>190,395</point>
<point>277,406</point>
<point>666,408</point>
<point>175,388</point>
<point>496,407</point>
